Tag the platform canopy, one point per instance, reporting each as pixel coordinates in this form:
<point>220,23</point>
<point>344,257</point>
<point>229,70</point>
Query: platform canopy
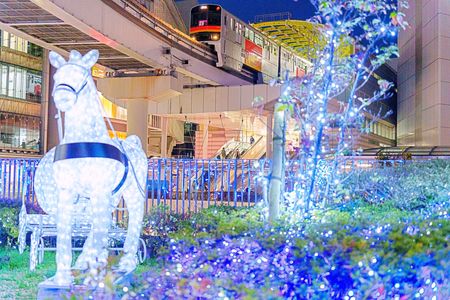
<point>302,37</point>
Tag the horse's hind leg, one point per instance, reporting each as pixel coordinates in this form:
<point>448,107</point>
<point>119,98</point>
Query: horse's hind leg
<point>135,207</point>
<point>82,260</point>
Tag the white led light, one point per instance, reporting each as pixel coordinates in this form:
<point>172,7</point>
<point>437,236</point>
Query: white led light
<point>60,185</point>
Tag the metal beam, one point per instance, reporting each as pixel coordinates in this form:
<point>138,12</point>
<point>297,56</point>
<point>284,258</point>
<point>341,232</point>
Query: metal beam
<point>77,43</point>
<point>57,9</point>
<point>115,57</point>
<point>43,44</point>
<point>36,23</point>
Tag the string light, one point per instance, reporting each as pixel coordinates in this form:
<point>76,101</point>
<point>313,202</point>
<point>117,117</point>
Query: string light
<point>79,190</point>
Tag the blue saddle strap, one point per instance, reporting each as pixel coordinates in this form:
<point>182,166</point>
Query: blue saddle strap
<point>92,149</point>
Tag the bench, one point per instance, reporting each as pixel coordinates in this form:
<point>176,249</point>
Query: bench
<point>43,227</point>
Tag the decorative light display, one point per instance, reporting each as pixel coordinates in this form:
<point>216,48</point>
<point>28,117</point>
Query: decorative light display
<point>327,134</point>
<point>88,164</point>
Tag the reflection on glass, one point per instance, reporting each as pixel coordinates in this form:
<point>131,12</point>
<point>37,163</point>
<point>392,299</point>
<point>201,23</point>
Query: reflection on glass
<point>19,132</point>
<point>20,83</point>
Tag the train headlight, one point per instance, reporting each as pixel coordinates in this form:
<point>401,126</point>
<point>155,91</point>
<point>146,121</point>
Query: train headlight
<point>204,7</point>
<point>215,37</point>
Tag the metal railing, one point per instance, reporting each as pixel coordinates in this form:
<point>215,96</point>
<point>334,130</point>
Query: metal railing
<point>184,185</point>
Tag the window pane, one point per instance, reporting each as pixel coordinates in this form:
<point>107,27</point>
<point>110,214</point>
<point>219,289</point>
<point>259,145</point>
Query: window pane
<point>11,81</point>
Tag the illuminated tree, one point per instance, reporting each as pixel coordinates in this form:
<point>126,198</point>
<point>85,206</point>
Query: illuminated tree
<point>357,37</point>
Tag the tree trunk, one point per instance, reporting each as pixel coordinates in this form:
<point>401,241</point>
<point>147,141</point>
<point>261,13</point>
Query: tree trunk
<point>276,180</point>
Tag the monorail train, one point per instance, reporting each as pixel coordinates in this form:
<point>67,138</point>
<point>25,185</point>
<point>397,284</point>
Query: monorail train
<point>242,48</point>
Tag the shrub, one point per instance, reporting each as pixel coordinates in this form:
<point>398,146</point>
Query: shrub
<point>356,249</point>
<point>9,225</point>
<point>408,185</point>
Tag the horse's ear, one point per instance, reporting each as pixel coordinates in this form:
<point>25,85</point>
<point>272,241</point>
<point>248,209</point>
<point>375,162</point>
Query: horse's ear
<point>90,58</point>
<point>56,60</point>
<point>75,55</point>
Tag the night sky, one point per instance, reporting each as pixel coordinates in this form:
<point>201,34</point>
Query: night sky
<point>246,10</point>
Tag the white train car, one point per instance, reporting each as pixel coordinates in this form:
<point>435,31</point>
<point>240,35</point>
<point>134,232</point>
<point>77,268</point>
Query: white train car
<point>241,47</point>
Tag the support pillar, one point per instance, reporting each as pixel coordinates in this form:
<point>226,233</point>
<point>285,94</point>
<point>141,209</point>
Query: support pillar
<point>205,142</point>
<point>45,99</point>
<point>164,134</point>
<point>269,136</point>
<point>51,122</point>
<point>137,120</point>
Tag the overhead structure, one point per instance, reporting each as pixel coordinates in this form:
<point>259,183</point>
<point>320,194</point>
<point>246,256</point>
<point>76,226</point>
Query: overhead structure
<point>155,46</point>
<point>302,37</point>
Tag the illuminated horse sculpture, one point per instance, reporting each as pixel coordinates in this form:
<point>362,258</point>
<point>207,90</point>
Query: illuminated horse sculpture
<point>88,163</point>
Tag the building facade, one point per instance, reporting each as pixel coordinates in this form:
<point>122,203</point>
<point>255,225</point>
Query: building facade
<point>424,75</point>
<point>20,95</point>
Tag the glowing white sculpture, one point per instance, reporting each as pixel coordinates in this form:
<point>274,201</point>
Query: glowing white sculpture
<point>88,163</point>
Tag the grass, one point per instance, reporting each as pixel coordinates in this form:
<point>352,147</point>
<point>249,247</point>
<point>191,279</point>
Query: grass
<point>18,282</point>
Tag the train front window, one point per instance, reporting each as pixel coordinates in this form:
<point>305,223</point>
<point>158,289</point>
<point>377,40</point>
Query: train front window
<point>206,15</point>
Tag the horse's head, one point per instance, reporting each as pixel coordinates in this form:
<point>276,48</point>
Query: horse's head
<point>71,77</point>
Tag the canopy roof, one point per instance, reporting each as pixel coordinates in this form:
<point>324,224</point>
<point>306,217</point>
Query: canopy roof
<point>302,37</point>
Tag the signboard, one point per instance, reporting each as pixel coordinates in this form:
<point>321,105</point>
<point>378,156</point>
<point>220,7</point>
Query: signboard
<point>253,55</point>
<point>98,71</point>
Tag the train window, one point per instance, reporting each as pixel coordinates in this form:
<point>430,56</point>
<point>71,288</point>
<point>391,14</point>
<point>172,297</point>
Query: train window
<point>232,23</point>
<point>267,51</point>
<point>258,40</point>
<point>206,15</point>
<point>240,29</point>
<point>275,50</point>
<point>251,35</point>
<point>225,21</point>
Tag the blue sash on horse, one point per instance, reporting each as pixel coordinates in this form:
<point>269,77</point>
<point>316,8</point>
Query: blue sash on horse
<point>92,149</point>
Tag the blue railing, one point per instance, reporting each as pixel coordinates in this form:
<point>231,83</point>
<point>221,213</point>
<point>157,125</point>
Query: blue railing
<point>182,185</point>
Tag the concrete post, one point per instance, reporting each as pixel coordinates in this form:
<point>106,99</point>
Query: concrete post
<point>52,125</point>
<point>164,134</point>
<point>205,142</point>
<point>45,99</point>
<point>137,120</point>
<point>269,136</point>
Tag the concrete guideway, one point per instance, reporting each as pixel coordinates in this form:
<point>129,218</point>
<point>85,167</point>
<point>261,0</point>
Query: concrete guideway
<point>106,25</point>
<point>111,22</point>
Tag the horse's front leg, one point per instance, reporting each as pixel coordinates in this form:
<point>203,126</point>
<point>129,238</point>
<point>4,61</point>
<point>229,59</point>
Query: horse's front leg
<point>97,250</point>
<point>63,275</point>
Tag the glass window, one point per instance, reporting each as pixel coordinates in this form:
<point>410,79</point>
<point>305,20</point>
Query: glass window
<point>11,81</point>
<point>20,83</point>
<point>5,39</point>
<point>19,132</point>
<point>251,35</point>
<point>3,79</point>
<point>258,40</point>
